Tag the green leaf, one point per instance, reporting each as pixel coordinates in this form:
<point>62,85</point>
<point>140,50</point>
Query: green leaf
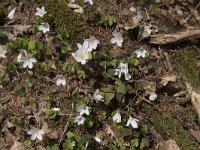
<point>65,34</point>
<point>35,29</point>
<point>121,88</point>
<point>81,74</point>
<point>22,43</point>
<point>70,135</point>
<point>16,120</point>
<point>134,143</point>
<point>144,143</point>
<point>31,45</point>
<point>44,66</point>
<point>64,50</point>
<point>108,97</point>
<point>68,145</point>
<point>54,147</point>
<point>50,113</point>
<point>46,97</point>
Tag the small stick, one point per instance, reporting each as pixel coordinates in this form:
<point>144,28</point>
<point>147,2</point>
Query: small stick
<point>191,13</point>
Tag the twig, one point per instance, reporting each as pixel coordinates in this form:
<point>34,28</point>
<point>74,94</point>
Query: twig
<point>65,129</point>
<point>191,14</point>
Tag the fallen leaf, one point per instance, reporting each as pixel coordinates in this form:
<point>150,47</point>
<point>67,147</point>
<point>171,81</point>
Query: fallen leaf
<point>19,29</point>
<point>195,134</point>
<point>167,78</point>
<point>77,8</point>
<point>53,134</point>
<point>145,32</point>
<point>167,145</point>
<point>195,98</point>
<point>17,146</point>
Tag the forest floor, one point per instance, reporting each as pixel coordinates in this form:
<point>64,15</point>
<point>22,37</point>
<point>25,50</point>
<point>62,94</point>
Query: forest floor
<point>168,31</point>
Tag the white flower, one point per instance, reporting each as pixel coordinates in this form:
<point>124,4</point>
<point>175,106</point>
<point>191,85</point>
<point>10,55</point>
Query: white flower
<point>133,122</point>
<point>44,27</point>
<point>97,139</point>
<point>97,96</point>
<point>122,69</point>
<point>28,60</point>
<point>93,42</point>
<point>83,110</point>
<point>89,1</point>
<point>79,120</point>
<point>35,133</point>
<point>118,39</point>
<point>117,118</point>
<point>60,80</point>
<point>56,109</point>
<point>19,58</point>
<point>140,53</point>
<point>2,52</point>
<point>40,11</point>
<point>153,96</point>
<point>81,55</point>
<point>11,14</point>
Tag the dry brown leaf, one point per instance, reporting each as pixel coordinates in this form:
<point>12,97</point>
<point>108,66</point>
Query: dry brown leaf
<point>195,134</point>
<point>53,134</point>
<point>195,98</point>
<point>19,29</point>
<point>145,32</point>
<point>167,78</point>
<point>167,145</point>
<point>17,146</point>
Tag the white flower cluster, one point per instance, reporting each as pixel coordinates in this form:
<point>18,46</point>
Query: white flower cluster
<point>44,27</point>
<point>82,54</point>
<point>82,110</point>
<point>131,121</point>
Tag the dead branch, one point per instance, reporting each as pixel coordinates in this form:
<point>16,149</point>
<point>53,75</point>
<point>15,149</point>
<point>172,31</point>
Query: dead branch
<point>161,39</point>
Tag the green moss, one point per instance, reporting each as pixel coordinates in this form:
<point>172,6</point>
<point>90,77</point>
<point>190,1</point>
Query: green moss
<point>186,61</point>
<point>61,17</point>
<point>170,128</point>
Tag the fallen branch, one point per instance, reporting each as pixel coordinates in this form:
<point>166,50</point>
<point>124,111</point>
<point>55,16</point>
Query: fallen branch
<point>161,39</point>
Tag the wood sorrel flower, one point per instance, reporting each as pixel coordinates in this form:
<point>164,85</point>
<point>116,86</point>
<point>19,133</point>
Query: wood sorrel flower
<point>133,122</point>
<point>40,11</point>
<point>35,134</point>
<point>122,69</point>
<point>118,39</point>
<point>117,117</point>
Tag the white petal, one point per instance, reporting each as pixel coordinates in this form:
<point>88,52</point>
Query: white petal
<point>97,139</point>
<point>30,65</point>
<point>117,118</point>
<point>39,137</point>
<point>63,82</point>
<point>58,82</point>
<point>41,131</point>
<point>25,64</point>
<point>113,40</point>
<point>33,60</point>
<point>11,14</point>
<point>127,76</point>
<point>56,109</point>
<point>31,131</point>
<point>33,136</point>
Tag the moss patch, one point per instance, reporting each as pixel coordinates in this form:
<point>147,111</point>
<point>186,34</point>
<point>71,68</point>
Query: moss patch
<point>61,17</point>
<point>170,128</point>
<point>186,64</point>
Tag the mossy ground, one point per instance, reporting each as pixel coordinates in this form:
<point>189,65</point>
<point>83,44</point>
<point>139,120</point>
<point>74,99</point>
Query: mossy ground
<point>186,64</point>
<point>170,128</point>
